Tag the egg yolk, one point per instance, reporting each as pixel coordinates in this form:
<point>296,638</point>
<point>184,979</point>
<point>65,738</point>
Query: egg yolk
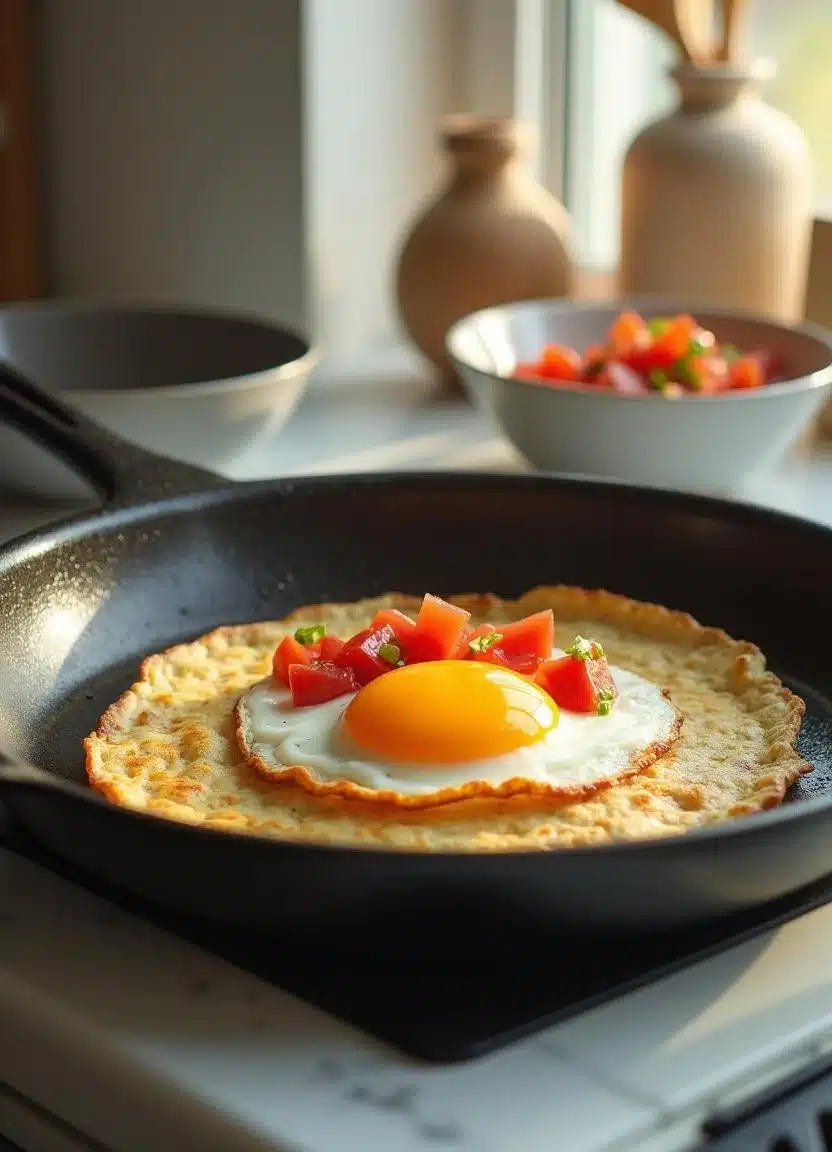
<point>448,712</point>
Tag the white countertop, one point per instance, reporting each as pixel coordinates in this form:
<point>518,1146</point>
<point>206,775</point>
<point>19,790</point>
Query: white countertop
<point>136,1039</point>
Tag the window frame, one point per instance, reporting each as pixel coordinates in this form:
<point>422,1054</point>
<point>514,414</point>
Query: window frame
<point>513,56</point>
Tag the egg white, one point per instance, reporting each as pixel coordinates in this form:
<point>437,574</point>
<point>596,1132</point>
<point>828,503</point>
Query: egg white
<point>582,750</point>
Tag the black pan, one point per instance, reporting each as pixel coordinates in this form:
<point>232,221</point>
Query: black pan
<point>176,551</point>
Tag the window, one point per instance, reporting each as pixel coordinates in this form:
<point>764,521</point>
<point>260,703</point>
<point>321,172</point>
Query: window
<point>798,35</point>
<point>589,74</point>
<point>617,83</point>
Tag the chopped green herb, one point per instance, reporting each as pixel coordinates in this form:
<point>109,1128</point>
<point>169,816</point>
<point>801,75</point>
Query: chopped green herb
<point>658,326</point>
<point>684,373</point>
<point>681,371</point>
<point>312,634</point>
<point>390,653</point>
<point>583,649</point>
<point>483,643</point>
<point>730,352</point>
<point>606,699</point>
<point>659,379</point>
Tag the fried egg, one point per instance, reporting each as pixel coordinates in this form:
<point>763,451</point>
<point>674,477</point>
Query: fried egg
<point>436,732</point>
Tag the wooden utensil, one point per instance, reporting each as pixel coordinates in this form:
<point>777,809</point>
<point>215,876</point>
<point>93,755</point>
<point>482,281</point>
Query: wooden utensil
<point>733,26</point>
<point>688,23</point>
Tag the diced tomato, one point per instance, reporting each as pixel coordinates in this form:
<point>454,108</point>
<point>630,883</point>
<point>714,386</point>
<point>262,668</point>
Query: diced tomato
<point>354,642</point>
<point>559,362</point>
<point>674,343</point>
<point>706,373</point>
<point>532,636</point>
<point>525,663</point>
<point>568,682</point>
<point>745,372</point>
<point>365,653</point>
<point>402,625</point>
<point>579,683</point>
<point>439,630</point>
<point>330,646</point>
<point>528,370</point>
<point>517,654</point>
<point>290,651</point>
<point>316,683</point>
<point>622,379</point>
<point>462,647</point>
<point>772,368</point>
<point>493,654</point>
<point>468,634</point>
<point>770,363</point>
<point>628,335</point>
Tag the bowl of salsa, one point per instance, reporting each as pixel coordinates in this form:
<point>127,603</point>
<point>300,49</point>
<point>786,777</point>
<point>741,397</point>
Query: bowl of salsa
<point>647,390</point>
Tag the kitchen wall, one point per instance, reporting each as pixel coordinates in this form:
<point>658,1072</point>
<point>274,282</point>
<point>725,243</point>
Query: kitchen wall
<point>173,151</point>
<point>263,154</point>
<point>379,74</point>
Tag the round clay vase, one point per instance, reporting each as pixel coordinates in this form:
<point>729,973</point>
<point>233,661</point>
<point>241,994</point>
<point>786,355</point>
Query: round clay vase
<point>717,198</point>
<point>493,235</point>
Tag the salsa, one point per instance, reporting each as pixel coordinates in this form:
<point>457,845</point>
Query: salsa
<point>317,667</point>
<point>670,356</point>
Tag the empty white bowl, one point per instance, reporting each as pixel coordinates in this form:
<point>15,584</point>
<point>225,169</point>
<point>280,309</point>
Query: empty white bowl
<point>693,442</point>
<point>198,385</point>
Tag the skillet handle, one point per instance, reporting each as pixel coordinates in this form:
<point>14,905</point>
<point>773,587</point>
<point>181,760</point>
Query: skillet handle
<point>18,776</point>
<point>14,771</point>
<point>121,472</point>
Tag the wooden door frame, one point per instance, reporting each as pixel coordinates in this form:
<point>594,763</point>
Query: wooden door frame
<point>21,236</point>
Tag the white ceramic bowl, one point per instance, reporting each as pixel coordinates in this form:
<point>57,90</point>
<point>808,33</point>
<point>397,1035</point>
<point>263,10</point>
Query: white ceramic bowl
<point>194,384</point>
<point>693,442</point>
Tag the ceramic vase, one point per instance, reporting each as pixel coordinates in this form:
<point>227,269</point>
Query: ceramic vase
<point>717,198</point>
<point>491,236</point>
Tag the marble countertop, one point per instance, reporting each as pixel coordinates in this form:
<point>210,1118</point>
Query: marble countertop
<point>394,423</point>
<point>116,1032</point>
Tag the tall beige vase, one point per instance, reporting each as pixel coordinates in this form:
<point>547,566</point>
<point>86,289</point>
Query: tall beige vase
<point>717,197</point>
<point>492,235</point>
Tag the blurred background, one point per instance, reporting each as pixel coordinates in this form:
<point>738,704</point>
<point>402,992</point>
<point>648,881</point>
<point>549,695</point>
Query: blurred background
<point>268,154</point>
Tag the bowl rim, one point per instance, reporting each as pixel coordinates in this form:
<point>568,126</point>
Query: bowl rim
<point>820,378</point>
<point>298,368</point>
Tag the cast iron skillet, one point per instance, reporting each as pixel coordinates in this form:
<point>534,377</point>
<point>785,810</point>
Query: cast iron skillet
<point>176,551</point>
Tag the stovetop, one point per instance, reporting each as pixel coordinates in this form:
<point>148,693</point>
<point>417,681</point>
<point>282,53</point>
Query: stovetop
<point>442,1002</point>
<point>444,999</point>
